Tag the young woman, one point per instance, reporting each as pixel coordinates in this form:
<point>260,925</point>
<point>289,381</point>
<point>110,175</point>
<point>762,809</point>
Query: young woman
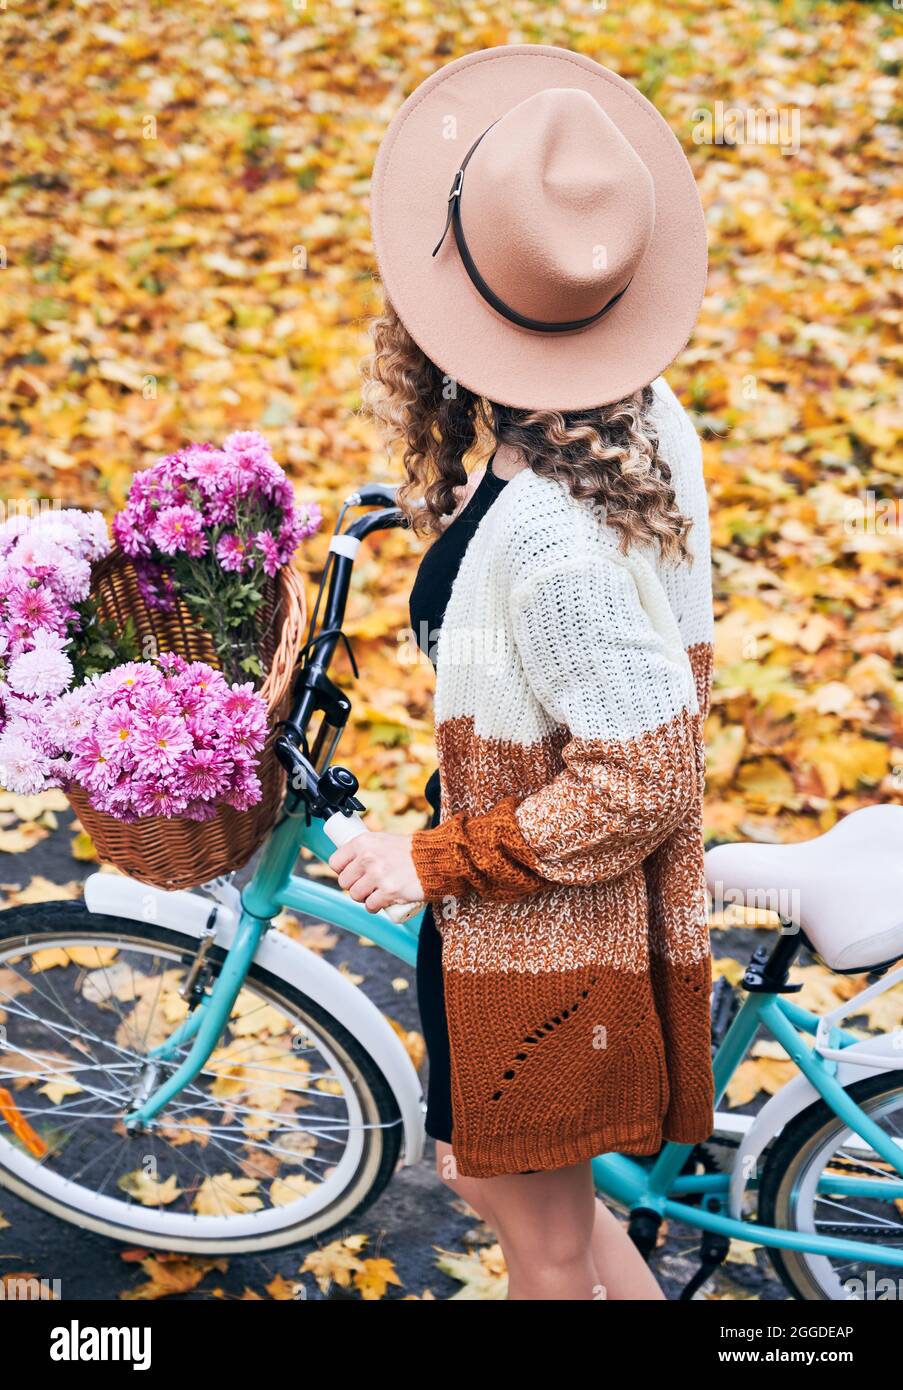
<point>563,968</point>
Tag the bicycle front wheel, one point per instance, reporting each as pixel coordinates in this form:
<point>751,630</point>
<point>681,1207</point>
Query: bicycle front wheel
<point>289,1129</point>
<point>815,1151</point>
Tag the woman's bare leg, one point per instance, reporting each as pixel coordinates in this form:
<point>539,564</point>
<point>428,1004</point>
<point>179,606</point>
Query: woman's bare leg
<point>544,1222</point>
<point>554,1236</point>
<point>623,1272</point>
<point>474,1191</point>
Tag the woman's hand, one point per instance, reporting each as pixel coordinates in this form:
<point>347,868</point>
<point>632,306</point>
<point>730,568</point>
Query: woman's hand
<point>378,870</point>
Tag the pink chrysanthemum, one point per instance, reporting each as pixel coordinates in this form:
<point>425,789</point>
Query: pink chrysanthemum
<point>268,547</point>
<point>33,605</point>
<point>232,553</point>
<point>127,680</point>
<point>130,536</point>
<point>204,773</point>
<point>179,529</point>
<point>69,718</point>
<point>160,744</point>
<point>91,766</point>
<point>116,733</point>
<point>158,798</point>
<point>246,791</point>
<point>164,738</point>
<point>309,519</point>
<point>199,503</point>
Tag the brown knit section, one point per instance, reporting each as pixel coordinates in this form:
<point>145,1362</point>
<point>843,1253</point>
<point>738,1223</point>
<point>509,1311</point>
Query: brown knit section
<point>477,773</point>
<point>675,880</point>
<point>682,1004</point>
<point>567,877</point>
<point>614,801</point>
<point>485,854</point>
<point>607,808</point>
<point>682,975</point>
<point>549,1070</point>
<point>701,656</point>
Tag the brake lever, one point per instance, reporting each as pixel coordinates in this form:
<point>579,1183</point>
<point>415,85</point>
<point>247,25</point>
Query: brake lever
<point>302,775</point>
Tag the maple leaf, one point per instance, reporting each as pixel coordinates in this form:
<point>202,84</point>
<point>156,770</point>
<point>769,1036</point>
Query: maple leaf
<point>60,957</point>
<point>30,808</point>
<point>38,1066</point>
<point>150,1191</point>
<point>336,1263</point>
<point>282,1290</point>
<point>252,1017</point>
<point>22,839</point>
<point>40,890</point>
<point>756,1074</point>
<point>13,984</point>
<point>374,1278</point>
<point>168,1276</point>
<point>82,848</point>
<point>223,1194</point>
<point>286,1190</point>
<point>191,1129</point>
<point>413,1041</point>
<point>59,1088</point>
<point>482,1273</point>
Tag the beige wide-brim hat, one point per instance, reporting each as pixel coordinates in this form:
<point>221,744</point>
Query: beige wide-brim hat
<point>573,262</point>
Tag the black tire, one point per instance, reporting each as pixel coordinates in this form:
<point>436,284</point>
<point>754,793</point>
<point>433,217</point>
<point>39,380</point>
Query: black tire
<point>383,1135</point>
<point>787,1157</point>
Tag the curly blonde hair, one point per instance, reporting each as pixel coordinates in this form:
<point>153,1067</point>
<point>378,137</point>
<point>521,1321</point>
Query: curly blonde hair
<point>606,455</point>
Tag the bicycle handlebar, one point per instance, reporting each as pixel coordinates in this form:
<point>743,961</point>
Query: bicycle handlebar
<point>373,495</point>
<point>315,689</point>
<point>329,792</point>
<point>343,549</point>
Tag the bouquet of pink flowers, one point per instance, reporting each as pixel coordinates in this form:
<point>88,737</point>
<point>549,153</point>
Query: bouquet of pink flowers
<point>210,525</point>
<point>50,633</point>
<point>168,737</point>
<point>164,738</point>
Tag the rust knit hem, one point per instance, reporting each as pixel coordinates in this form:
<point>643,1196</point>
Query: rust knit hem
<point>499,1161</point>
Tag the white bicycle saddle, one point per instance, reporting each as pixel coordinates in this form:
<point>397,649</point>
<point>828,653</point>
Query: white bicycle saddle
<point>844,888</point>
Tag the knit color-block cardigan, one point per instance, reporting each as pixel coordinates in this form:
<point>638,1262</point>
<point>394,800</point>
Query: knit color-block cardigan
<point>566,872</point>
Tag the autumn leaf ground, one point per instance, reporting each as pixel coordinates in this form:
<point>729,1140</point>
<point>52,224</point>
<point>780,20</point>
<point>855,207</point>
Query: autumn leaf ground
<point>186,250</point>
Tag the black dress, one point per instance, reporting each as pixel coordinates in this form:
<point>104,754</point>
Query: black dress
<point>429,599</point>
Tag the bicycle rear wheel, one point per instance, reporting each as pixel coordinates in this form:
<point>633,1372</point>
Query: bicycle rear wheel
<point>289,1129</point>
<point>796,1195</point>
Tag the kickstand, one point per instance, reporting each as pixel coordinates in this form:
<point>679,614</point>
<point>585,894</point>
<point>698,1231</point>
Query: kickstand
<point>713,1251</point>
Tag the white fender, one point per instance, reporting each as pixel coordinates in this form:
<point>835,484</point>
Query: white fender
<point>796,1096</point>
<point>115,896</point>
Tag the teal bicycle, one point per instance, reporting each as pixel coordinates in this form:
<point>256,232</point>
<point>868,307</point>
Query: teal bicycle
<point>176,1073</point>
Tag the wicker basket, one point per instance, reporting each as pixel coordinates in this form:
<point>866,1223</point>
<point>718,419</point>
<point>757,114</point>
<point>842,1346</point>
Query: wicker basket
<point>180,853</point>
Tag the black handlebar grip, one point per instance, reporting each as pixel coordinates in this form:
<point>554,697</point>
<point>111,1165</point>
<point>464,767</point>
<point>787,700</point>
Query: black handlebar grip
<point>376,494</point>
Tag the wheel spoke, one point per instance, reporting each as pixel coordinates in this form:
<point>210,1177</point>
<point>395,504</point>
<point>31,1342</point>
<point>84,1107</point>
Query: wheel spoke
<point>94,1026</point>
<point>815,1154</point>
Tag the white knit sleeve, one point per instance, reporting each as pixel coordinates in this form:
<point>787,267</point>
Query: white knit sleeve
<point>600,647</point>
<point>601,652</point>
